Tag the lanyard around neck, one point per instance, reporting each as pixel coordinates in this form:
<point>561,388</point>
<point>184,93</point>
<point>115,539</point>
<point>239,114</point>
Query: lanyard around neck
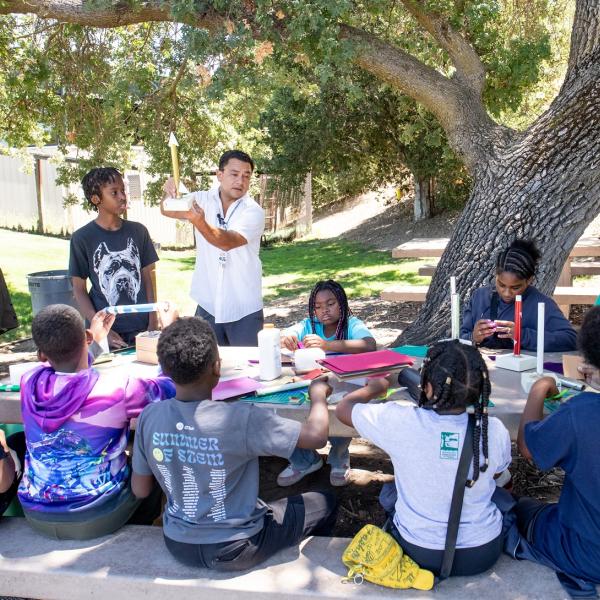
<point>224,223</point>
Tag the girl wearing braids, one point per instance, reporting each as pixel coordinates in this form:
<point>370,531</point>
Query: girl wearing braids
<point>425,444</point>
<point>488,319</point>
<point>330,326</point>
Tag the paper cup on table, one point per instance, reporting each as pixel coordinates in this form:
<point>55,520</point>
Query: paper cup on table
<point>17,371</point>
<point>305,359</point>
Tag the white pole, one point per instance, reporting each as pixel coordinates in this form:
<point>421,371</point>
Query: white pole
<point>454,309</point>
<point>455,314</point>
<point>541,323</point>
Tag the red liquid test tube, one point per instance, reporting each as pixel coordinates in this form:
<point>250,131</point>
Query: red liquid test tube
<point>518,304</point>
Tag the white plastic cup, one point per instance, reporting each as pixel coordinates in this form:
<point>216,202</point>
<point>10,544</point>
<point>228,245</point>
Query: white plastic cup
<point>269,353</point>
<point>305,359</point>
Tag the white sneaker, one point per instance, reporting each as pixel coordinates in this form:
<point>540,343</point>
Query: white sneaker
<point>290,475</point>
<point>339,476</point>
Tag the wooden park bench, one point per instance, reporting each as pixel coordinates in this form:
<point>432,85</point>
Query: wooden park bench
<point>577,268</point>
<point>134,563</point>
<point>563,296</point>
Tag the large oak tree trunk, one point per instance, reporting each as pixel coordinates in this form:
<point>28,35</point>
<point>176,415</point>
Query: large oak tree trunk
<point>543,184</point>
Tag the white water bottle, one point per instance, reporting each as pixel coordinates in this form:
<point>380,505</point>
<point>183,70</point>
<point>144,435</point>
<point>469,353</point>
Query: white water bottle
<point>269,352</point>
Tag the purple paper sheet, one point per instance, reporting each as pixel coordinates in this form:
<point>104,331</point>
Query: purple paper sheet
<point>235,387</point>
<point>554,367</point>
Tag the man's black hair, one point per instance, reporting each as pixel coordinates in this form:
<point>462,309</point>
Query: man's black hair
<point>520,258</point>
<point>186,349</point>
<point>58,331</point>
<point>588,339</point>
<point>341,332</point>
<point>459,378</point>
<point>93,182</point>
<point>230,154</point>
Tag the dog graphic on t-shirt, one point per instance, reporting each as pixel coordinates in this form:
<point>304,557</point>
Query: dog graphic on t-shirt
<point>118,272</point>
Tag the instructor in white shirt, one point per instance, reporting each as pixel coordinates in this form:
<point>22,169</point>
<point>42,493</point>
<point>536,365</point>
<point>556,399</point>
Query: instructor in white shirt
<point>228,224</point>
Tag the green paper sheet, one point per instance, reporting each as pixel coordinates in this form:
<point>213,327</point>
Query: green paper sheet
<point>418,351</point>
<point>279,398</point>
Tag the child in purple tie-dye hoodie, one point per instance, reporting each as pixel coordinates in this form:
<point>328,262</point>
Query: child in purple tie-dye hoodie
<point>76,481</point>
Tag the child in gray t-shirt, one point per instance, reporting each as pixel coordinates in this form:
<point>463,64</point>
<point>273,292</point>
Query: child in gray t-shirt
<point>204,454</point>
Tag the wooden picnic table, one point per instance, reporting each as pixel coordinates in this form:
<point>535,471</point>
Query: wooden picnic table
<point>421,248</point>
<point>234,363</point>
<point>507,394</point>
<point>434,248</point>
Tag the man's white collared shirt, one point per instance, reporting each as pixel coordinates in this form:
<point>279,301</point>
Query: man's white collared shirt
<point>228,285</point>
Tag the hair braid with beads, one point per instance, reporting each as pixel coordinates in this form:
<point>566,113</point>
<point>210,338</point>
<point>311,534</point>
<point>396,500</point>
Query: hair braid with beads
<point>459,378</point>
<point>341,332</point>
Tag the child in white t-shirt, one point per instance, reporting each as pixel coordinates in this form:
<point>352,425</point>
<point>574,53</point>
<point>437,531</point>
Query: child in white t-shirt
<point>425,444</point>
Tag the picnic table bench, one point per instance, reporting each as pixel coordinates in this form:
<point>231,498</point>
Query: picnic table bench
<point>564,295</point>
<point>134,563</point>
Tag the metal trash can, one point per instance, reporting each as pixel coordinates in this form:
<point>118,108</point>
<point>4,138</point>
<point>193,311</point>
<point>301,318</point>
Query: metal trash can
<point>50,287</point>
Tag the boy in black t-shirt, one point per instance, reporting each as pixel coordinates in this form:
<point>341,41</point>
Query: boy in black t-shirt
<point>117,256</point>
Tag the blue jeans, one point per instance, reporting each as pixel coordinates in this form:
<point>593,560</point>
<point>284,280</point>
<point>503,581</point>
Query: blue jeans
<point>339,455</point>
<point>286,523</point>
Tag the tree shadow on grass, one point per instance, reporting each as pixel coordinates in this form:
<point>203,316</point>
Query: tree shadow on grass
<point>291,269</point>
<point>318,256</point>
<point>362,271</point>
<point>185,264</point>
<point>356,284</point>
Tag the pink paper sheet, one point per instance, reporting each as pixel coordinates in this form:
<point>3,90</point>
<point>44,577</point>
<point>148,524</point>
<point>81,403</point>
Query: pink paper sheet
<point>235,387</point>
<point>380,359</point>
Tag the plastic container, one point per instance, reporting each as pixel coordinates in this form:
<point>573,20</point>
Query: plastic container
<point>269,353</point>
<point>50,287</point>
<point>305,359</point>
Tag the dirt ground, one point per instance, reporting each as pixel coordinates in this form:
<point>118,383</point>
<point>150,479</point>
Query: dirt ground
<point>371,468</point>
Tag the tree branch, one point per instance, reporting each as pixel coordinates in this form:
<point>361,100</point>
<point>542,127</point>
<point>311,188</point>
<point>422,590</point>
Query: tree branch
<point>456,101</point>
<point>459,108</point>
<point>585,36</point>
<point>179,75</point>
<point>469,68</point>
<point>118,14</point>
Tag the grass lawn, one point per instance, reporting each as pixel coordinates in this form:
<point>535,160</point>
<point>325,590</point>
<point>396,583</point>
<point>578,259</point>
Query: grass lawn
<point>289,269</point>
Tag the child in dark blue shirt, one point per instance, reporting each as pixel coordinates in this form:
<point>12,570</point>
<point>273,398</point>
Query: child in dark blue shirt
<point>566,534</point>
<point>488,319</point>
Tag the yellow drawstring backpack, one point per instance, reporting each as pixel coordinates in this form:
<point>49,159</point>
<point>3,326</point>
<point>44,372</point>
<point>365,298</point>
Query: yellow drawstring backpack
<point>376,556</point>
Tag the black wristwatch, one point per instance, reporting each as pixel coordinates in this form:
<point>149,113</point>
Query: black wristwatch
<point>3,453</point>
